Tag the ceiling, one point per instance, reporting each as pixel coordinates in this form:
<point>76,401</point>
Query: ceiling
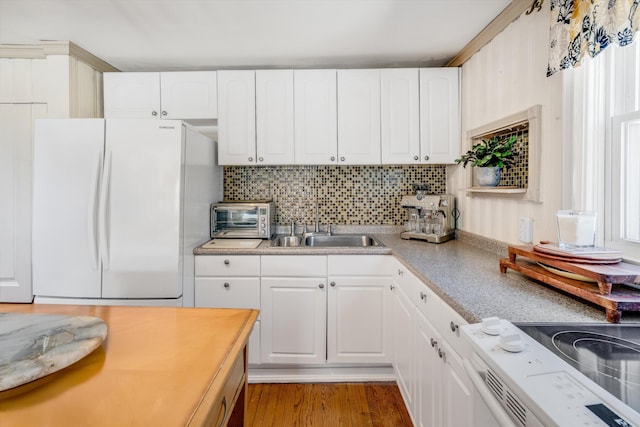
<point>148,35</point>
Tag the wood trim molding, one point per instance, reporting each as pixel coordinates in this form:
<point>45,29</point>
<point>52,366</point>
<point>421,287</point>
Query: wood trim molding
<point>45,48</point>
<point>512,12</point>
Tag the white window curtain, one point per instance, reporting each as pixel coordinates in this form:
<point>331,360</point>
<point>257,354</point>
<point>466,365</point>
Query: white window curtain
<point>595,94</point>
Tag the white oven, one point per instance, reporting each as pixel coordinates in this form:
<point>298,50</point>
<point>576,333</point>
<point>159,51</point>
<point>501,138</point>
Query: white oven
<point>525,383</point>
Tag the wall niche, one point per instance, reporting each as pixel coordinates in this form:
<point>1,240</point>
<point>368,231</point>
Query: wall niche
<point>523,180</point>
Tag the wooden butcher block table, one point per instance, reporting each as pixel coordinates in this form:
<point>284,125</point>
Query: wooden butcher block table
<point>614,287</point>
<point>159,366</point>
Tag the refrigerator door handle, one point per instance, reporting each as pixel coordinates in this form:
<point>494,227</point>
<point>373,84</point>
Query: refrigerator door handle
<point>93,213</point>
<point>104,212</point>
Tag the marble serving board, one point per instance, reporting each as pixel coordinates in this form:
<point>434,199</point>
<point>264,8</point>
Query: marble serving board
<point>33,346</point>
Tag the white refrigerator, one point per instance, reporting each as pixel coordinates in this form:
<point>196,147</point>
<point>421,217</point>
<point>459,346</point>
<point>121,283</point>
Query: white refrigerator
<point>118,207</point>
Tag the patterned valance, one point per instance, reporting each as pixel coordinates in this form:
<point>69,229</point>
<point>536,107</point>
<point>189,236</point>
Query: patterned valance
<point>589,26</point>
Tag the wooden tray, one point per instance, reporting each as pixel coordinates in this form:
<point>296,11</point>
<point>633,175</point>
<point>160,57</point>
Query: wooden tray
<point>614,291</point>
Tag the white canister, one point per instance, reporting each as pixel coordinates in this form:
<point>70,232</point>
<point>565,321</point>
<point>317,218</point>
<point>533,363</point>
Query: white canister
<point>576,229</point>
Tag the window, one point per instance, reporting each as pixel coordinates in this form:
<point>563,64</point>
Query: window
<point>601,152</point>
<point>625,184</point>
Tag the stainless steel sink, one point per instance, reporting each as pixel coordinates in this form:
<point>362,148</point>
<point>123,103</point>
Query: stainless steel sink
<point>326,241</point>
<point>287,241</point>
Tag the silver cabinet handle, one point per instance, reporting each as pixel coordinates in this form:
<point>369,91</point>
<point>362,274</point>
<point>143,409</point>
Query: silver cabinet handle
<point>226,285</point>
<point>321,285</point>
<point>400,272</point>
<point>261,159</point>
<point>164,113</point>
<point>392,287</point>
<point>426,157</point>
<point>333,284</point>
<point>453,326</point>
<point>416,158</point>
<point>227,262</point>
<point>433,343</point>
<point>342,159</point>
<point>154,113</point>
<point>423,296</point>
<point>251,159</point>
<point>333,158</point>
<point>440,353</point>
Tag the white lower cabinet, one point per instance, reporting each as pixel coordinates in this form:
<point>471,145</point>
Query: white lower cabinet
<point>293,315</point>
<point>294,309</point>
<point>230,282</point>
<point>434,384</point>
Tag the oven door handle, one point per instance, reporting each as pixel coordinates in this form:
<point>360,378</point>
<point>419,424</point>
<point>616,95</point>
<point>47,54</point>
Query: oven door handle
<point>494,406</point>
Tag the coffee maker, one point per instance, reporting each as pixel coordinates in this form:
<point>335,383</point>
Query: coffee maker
<point>429,217</point>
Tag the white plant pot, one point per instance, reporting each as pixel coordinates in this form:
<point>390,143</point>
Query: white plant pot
<point>488,177</point>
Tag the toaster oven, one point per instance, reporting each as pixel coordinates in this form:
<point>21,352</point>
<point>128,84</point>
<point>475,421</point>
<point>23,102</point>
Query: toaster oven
<point>243,219</point>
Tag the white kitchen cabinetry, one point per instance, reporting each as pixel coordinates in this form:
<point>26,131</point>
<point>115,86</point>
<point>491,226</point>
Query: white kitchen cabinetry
<point>359,117</point>
<point>274,115</point>
<point>403,345</point>
<point>236,117</point>
<point>400,115</point>
<point>359,310</point>
<point>230,282</point>
<point>441,393</point>
<point>315,103</point>
<point>47,80</point>
<point>439,115</point>
<point>294,309</point>
<point>183,95</point>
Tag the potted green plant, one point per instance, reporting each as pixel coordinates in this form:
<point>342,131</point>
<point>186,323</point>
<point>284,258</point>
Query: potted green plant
<point>489,157</point>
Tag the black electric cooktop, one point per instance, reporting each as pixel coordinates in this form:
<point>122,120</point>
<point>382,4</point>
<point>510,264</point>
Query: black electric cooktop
<point>609,354</point>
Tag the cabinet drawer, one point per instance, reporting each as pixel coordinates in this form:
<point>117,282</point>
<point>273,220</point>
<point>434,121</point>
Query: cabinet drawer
<point>294,265</point>
<point>360,265</point>
<point>227,292</point>
<point>448,323</point>
<point>227,265</point>
<point>223,407</point>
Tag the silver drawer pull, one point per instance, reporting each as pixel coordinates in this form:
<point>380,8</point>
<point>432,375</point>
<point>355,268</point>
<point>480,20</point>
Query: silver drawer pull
<point>227,262</point>
<point>453,326</point>
<point>226,285</point>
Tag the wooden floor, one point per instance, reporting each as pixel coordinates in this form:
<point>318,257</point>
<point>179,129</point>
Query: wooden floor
<point>326,405</point>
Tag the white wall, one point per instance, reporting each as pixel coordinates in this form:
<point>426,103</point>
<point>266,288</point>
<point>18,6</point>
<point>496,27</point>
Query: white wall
<point>508,76</point>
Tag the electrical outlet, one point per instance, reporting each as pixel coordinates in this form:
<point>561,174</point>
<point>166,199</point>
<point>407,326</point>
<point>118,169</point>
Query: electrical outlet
<point>525,230</point>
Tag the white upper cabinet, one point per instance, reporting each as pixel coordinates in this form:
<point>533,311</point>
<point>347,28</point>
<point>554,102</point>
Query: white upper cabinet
<point>237,117</point>
<point>359,117</point>
<point>400,115</point>
<point>183,95</point>
<point>439,115</point>
<point>274,117</point>
<point>316,121</point>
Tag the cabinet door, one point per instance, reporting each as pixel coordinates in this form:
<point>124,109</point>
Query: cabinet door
<point>293,320</point>
<point>188,95</point>
<point>439,115</point>
<point>403,351</point>
<point>457,404</point>
<point>132,95</point>
<point>428,374</point>
<point>359,320</point>
<point>236,117</point>
<point>274,117</point>
<point>400,116</point>
<point>16,175</point>
<point>358,117</point>
<point>316,121</point>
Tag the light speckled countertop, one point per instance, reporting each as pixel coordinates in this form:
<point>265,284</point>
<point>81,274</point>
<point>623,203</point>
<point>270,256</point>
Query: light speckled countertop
<point>465,273</point>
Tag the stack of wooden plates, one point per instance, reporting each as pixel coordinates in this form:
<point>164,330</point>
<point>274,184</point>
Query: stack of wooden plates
<point>592,255</point>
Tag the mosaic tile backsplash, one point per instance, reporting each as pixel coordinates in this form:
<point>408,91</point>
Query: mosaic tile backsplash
<point>349,195</point>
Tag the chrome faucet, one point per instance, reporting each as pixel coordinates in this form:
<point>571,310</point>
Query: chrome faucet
<point>293,227</point>
<point>316,227</point>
